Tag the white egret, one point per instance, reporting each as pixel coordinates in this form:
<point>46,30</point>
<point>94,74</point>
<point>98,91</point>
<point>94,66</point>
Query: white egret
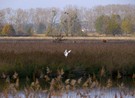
<point>66,53</point>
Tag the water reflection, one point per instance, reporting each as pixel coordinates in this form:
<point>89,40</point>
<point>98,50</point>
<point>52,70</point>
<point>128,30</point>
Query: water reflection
<point>95,93</point>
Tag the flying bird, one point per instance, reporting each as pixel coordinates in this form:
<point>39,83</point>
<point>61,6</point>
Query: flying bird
<point>66,53</point>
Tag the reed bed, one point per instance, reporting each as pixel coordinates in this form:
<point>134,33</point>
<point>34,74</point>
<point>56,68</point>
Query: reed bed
<point>90,87</point>
<point>87,57</point>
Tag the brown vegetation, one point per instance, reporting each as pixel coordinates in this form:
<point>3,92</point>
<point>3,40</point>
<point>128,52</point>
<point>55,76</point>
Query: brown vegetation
<point>87,56</point>
<point>43,63</point>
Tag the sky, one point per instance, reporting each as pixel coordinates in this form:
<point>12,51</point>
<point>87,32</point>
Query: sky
<point>27,4</point>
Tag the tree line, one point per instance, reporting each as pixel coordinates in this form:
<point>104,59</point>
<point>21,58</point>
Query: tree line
<point>69,21</point>
<point>114,25</point>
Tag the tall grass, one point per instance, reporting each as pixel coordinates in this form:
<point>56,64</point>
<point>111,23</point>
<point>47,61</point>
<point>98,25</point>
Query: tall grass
<point>87,57</point>
<point>58,87</point>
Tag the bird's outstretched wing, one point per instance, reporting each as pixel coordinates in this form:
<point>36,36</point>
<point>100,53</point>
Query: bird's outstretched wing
<point>69,51</point>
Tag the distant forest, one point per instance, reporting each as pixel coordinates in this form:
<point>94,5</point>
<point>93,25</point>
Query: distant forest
<point>69,21</point>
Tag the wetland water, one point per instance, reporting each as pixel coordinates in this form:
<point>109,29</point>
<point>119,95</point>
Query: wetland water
<point>95,93</point>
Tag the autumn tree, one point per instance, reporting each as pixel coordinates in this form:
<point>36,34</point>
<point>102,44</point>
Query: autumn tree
<point>114,27</point>
<point>102,24</point>
<point>1,26</point>
<point>108,25</point>
<point>8,30</point>
<point>1,21</point>
<point>127,26</point>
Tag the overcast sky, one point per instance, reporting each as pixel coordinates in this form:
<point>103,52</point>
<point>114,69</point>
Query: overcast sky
<point>26,4</point>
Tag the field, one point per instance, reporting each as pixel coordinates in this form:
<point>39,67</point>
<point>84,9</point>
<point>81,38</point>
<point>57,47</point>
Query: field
<point>112,61</point>
<point>88,55</point>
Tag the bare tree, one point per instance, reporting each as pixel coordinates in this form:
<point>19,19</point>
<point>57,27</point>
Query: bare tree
<point>71,24</point>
